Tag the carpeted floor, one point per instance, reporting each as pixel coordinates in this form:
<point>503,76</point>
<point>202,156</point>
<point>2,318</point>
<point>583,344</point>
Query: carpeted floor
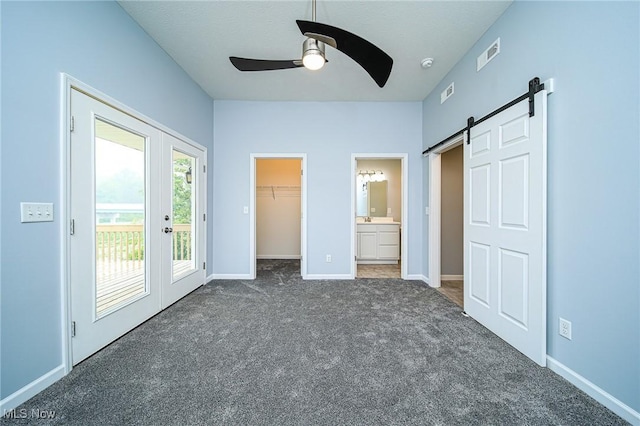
<point>281,351</point>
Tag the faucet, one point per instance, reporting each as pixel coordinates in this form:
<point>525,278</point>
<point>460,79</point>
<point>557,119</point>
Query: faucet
<point>367,219</point>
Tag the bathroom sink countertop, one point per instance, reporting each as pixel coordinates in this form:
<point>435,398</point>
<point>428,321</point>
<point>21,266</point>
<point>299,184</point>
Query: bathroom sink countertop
<point>377,221</point>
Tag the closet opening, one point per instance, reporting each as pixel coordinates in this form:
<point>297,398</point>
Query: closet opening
<point>446,220</point>
<point>451,225</point>
<point>279,228</point>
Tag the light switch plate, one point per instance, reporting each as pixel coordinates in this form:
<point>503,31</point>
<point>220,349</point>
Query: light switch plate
<point>36,212</point>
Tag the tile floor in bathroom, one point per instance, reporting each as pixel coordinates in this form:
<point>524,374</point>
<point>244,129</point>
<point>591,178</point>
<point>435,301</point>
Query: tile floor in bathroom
<point>452,290</point>
<point>378,271</point>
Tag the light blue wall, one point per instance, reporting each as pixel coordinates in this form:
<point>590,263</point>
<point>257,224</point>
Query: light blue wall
<point>592,51</point>
<point>99,44</point>
<point>328,133</point>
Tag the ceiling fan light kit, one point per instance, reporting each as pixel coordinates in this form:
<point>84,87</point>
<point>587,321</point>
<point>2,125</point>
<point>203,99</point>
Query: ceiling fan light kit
<point>313,54</point>
<point>370,57</point>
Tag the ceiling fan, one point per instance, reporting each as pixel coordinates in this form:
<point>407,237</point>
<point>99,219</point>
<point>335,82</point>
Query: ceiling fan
<point>374,61</point>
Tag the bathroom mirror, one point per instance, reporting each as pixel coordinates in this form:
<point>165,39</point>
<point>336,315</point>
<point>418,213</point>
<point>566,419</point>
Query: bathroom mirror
<point>371,199</point>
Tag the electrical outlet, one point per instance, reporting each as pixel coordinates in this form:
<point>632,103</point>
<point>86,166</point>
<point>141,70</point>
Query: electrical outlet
<point>564,328</point>
<point>328,259</point>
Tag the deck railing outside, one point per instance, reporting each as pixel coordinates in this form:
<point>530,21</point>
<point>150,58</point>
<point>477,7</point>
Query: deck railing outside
<point>120,261</point>
<point>125,243</point>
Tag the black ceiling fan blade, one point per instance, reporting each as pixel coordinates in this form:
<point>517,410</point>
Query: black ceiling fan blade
<point>245,64</point>
<point>370,57</point>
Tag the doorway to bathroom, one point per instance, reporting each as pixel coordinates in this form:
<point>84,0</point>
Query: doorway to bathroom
<point>379,211</point>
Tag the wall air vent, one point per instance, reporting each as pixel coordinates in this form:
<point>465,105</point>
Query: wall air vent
<point>491,52</point>
<point>446,93</point>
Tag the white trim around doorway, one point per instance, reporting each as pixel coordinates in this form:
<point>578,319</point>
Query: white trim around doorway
<point>435,203</point>
<point>252,208</point>
<point>404,162</point>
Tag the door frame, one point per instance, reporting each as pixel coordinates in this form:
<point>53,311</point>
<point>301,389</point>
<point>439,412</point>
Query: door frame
<point>404,165</point>
<point>434,224</point>
<point>67,83</point>
<point>254,157</point>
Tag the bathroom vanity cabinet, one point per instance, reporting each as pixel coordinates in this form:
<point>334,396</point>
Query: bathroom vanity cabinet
<point>378,243</point>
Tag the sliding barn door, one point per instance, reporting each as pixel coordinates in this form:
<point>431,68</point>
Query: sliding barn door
<point>505,226</point>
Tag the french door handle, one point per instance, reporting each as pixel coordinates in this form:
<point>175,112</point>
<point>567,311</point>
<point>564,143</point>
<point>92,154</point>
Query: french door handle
<point>167,230</point>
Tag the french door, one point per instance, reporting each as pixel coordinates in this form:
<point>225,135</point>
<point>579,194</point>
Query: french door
<point>182,219</point>
<point>137,222</point>
<point>505,226</point>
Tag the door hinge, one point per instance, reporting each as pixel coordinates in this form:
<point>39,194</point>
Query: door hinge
<point>204,265</point>
<point>204,217</point>
<point>301,172</point>
<point>204,168</point>
<point>73,329</point>
<point>72,227</point>
<point>72,124</point>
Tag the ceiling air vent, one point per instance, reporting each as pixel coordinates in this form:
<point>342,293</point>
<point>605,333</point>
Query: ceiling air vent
<point>491,52</point>
<point>446,93</point>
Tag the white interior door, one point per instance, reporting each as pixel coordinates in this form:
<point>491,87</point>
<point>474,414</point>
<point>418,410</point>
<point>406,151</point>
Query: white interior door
<point>114,280</point>
<point>183,219</point>
<point>505,226</point>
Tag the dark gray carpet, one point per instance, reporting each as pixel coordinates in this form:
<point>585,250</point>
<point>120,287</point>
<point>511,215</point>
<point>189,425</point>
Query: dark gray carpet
<point>279,350</point>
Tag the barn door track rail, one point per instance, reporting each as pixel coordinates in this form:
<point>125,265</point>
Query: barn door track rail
<point>534,87</point>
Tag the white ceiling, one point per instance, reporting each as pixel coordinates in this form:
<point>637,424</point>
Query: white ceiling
<point>201,35</point>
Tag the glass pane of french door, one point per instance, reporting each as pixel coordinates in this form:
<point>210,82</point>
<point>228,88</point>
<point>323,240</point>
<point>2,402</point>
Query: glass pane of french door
<point>183,205</point>
<point>120,217</point>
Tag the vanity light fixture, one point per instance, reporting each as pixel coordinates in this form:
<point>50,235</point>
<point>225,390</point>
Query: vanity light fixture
<point>379,176</point>
<point>371,176</point>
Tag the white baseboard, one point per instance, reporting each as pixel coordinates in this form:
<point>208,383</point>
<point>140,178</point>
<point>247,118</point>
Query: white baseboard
<point>209,278</point>
<point>278,256</point>
<point>417,277</point>
<point>229,277</point>
<point>451,277</point>
<point>30,390</point>
<point>595,392</point>
<point>428,281</point>
<point>328,277</point>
